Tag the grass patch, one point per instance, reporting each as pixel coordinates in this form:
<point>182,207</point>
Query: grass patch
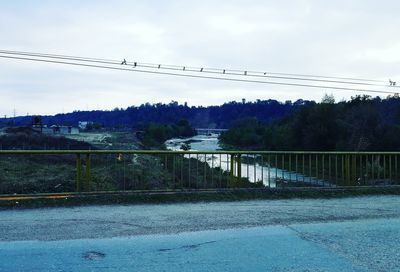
<point>165,197</point>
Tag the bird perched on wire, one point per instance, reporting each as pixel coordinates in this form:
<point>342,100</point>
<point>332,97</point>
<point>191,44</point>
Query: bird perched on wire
<point>123,62</point>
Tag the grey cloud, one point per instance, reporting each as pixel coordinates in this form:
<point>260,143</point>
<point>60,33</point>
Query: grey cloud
<point>340,38</point>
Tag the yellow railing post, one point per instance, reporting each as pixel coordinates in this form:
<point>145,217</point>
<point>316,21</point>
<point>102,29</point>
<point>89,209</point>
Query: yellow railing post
<point>78,172</point>
<point>346,168</point>
<point>88,175</point>
<point>232,166</point>
<point>239,167</point>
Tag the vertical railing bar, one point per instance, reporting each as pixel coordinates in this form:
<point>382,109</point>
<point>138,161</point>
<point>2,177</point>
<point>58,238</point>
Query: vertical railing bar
<point>390,168</point>
<point>262,169</point>
<point>352,169</point>
<point>239,167</point>
<point>310,169</point>
<point>220,170</point>
<point>336,170</point>
<point>366,174</point>
<point>316,169</point>
<point>88,177</point>
<point>133,170</point>
<point>124,164</point>
<point>303,169</point>
<point>290,167</point>
<point>255,168</point>
<point>297,170</point>
<point>115,167</point>
<point>372,168</point>
<point>348,174</point>
<point>366,170</point>
<point>384,168</point>
<point>228,171</point>
<point>232,168</point>
<point>247,166</point>
<point>276,170</point>
<point>269,169</point>
<point>379,168</point>
<point>78,172</point>
<point>330,169</point>
<point>189,176</point>
<point>173,170</point>
<point>166,176</point>
<point>396,169</point>
<point>323,169</point>
<point>283,168</point>
<point>182,182</point>
<point>343,170</point>
<point>197,171</point>
<point>205,171</point>
<point>212,170</point>
<point>360,172</point>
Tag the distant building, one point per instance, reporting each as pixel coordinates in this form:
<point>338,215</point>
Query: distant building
<point>64,129</point>
<point>84,124</point>
<point>56,129</point>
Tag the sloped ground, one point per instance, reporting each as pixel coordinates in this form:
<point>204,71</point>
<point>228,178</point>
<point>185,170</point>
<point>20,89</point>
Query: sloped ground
<point>108,140</point>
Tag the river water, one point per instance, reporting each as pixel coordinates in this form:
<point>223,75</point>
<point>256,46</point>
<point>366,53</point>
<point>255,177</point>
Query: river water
<point>254,172</point>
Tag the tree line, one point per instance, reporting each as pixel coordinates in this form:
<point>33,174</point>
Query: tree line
<point>361,124</point>
<point>155,135</point>
<point>137,117</point>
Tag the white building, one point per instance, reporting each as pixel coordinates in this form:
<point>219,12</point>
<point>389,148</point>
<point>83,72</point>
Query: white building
<point>64,129</point>
<point>84,124</point>
<point>56,129</point>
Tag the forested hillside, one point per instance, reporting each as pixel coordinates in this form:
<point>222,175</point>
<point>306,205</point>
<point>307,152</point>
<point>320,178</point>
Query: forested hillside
<point>363,123</point>
<point>138,117</point>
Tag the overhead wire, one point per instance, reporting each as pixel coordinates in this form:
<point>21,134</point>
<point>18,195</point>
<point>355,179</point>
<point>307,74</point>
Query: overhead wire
<point>266,75</point>
<point>196,76</point>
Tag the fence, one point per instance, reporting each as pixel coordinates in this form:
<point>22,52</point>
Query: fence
<point>48,171</point>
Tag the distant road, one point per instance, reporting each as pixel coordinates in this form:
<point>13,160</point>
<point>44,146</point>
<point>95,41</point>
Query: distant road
<point>349,234</point>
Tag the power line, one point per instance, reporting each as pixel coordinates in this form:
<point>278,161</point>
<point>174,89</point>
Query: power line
<point>199,76</point>
<point>297,77</point>
<point>54,55</point>
<point>204,70</point>
<point>268,74</point>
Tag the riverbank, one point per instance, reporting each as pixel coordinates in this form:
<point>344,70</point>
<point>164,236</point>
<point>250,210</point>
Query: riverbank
<point>197,143</point>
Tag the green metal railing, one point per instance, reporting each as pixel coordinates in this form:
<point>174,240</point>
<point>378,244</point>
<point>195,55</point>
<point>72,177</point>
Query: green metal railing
<point>48,171</point>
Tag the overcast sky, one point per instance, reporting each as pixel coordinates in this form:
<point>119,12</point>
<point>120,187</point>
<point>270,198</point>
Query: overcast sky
<point>335,38</point>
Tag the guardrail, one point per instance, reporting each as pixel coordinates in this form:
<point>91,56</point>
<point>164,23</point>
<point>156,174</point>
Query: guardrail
<point>51,171</point>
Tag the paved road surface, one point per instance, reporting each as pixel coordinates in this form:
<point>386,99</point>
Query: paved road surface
<point>351,234</point>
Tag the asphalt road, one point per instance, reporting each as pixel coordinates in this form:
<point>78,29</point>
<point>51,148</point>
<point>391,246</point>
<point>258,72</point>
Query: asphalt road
<point>349,234</point>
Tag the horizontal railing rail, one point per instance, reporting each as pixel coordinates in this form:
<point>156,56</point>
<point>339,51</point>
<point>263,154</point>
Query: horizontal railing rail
<point>55,171</point>
<point>124,151</point>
